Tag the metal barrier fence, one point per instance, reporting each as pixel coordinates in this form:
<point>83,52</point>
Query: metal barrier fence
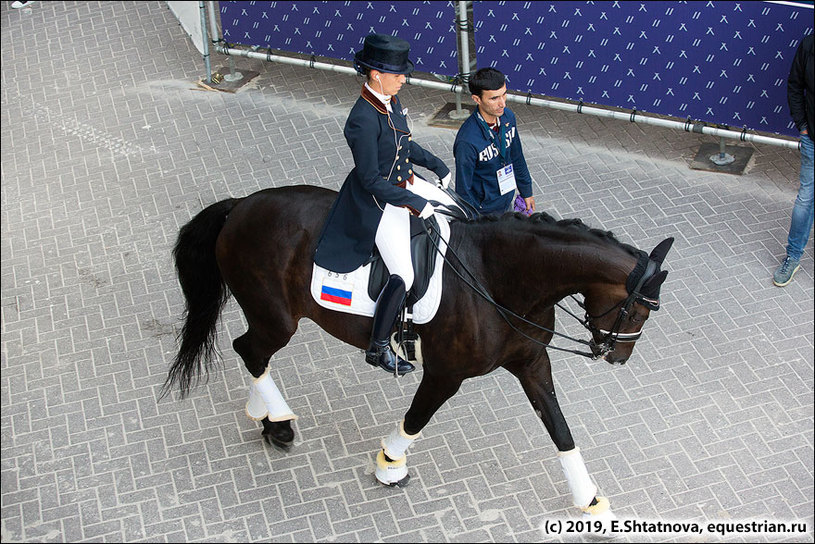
<point>710,65</point>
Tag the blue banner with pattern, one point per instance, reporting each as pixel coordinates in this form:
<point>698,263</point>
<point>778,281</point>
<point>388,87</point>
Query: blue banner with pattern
<point>337,29</point>
<point>718,62</point>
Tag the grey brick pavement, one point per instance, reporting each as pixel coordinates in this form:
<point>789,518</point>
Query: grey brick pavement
<point>108,148</point>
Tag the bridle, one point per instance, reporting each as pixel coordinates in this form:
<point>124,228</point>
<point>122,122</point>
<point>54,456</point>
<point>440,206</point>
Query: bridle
<point>610,337</point>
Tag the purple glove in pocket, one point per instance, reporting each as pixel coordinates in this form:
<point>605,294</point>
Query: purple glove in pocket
<point>520,205</point>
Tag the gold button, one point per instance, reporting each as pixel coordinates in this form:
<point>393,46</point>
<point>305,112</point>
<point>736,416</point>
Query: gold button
<point>406,160</point>
<point>398,167</point>
<point>410,171</point>
<point>398,178</point>
<point>410,138</point>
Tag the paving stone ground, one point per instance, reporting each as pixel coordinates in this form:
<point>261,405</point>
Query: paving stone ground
<point>109,147</point>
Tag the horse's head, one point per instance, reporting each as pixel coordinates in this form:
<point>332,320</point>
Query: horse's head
<point>616,316</point>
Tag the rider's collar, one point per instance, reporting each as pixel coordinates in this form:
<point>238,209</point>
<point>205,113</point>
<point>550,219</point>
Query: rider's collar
<point>381,102</point>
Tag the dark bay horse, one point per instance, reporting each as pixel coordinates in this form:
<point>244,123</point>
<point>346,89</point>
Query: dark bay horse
<point>259,249</point>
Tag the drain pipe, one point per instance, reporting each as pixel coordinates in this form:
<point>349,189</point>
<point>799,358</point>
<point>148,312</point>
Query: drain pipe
<point>464,34</point>
<point>203,11</point>
<point>213,24</point>
<point>633,117</point>
<point>464,55</point>
<point>723,157</point>
<point>234,74</point>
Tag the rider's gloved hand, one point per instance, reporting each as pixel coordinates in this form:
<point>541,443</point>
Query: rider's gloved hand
<point>427,211</point>
<point>444,182</point>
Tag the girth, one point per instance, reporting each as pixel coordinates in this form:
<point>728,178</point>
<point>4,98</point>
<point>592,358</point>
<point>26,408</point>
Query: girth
<point>423,256</point>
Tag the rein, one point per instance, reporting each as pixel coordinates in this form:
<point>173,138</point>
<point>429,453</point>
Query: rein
<point>610,338</point>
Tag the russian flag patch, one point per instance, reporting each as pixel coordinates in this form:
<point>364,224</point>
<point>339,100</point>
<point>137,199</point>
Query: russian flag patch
<point>337,296</point>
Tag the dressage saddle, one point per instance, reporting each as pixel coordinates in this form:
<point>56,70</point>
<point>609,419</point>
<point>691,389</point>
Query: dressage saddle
<point>422,253</point>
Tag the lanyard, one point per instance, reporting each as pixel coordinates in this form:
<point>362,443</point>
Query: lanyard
<point>503,150</point>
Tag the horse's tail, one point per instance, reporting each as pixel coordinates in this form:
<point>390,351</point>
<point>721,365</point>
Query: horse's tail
<point>205,294</point>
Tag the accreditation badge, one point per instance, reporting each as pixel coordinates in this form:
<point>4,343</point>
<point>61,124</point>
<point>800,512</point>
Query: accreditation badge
<point>506,179</point>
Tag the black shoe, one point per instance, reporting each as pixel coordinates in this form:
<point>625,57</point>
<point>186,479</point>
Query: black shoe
<point>386,359</point>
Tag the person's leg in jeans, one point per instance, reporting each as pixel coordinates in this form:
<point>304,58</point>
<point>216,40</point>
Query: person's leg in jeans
<point>802,212</point>
<point>802,215</point>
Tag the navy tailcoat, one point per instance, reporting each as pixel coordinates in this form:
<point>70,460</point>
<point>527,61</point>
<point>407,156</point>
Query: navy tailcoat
<point>384,154</point>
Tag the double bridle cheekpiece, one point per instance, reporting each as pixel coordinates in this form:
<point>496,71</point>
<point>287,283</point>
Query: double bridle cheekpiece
<point>611,337</point>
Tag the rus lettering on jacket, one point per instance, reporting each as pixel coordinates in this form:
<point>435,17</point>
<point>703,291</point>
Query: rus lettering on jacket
<point>490,152</point>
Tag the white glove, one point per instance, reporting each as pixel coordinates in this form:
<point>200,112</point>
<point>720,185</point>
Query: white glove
<point>427,211</point>
<point>445,181</point>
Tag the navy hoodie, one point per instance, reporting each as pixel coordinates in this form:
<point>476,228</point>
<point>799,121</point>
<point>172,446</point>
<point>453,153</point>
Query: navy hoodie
<point>478,159</point>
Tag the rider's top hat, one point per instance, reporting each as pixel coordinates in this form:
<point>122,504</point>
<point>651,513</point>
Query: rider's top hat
<point>384,53</point>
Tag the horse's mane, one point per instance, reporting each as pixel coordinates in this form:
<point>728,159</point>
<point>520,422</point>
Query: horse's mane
<point>544,219</point>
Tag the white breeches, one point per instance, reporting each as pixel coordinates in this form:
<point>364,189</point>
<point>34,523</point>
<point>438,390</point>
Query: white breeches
<point>393,233</point>
<point>393,242</point>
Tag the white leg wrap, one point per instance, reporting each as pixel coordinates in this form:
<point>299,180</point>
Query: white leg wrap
<point>582,488</point>
<point>265,400</point>
<point>255,407</point>
<point>398,441</point>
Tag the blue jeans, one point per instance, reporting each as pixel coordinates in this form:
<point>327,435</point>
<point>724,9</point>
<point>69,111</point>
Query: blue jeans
<point>802,212</point>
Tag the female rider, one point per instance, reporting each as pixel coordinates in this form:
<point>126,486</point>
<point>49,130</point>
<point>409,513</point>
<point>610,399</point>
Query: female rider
<point>382,191</point>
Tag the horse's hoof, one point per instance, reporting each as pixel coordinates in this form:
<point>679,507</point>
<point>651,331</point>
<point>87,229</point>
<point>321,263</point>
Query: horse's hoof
<point>278,434</point>
<point>284,446</point>
<point>601,513</point>
<point>601,509</point>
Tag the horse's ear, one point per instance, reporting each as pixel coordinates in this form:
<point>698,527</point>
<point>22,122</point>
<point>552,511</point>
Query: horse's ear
<point>659,252</point>
<point>651,286</point>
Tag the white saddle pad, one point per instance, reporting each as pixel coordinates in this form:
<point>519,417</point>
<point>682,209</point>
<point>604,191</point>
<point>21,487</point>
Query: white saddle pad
<point>349,292</point>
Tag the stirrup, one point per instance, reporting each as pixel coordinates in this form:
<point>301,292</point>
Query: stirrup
<point>409,349</point>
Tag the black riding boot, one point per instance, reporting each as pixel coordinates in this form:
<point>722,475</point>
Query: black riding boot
<point>387,310</point>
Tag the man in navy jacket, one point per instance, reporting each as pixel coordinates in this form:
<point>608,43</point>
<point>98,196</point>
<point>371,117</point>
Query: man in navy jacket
<point>490,163</point>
